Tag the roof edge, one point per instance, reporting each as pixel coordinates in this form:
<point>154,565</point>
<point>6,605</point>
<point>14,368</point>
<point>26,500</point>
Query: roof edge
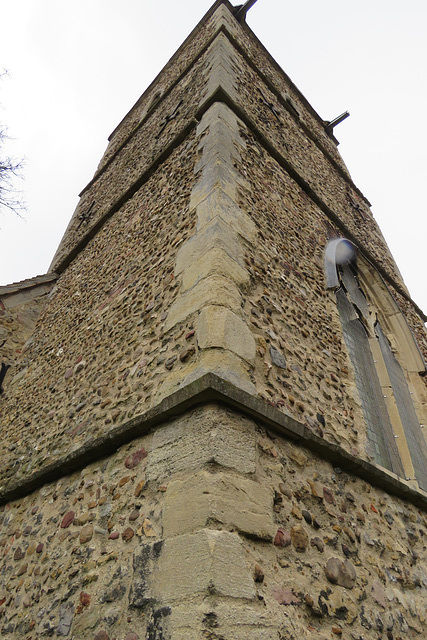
<point>29,283</point>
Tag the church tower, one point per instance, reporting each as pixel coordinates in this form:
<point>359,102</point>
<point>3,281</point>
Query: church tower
<point>213,405</point>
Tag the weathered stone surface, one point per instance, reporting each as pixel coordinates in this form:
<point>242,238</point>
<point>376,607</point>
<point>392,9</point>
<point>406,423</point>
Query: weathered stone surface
<point>86,533</point>
<point>328,496</point>
<point>339,572</point>
<point>214,262</point>
<point>307,516</point>
<point>277,358</point>
<point>285,490</point>
<point>207,435</point>
<point>225,364</point>
<point>209,291</point>
<point>219,175</point>
<point>194,564</point>
<point>286,596</point>
<point>298,456</point>
<point>258,573</point>
<point>216,235</point>
<point>135,458</point>
<point>187,353</point>
<point>220,327</point>
<point>114,535</point>
<point>299,537</point>
<point>85,621</point>
<point>224,71</point>
<point>230,500</point>
<point>139,488</point>
<point>341,606</point>
<point>128,534</point>
<point>144,562</point>
<point>19,554</point>
<point>350,534</point>
<point>85,599</point>
<point>148,528</point>
<point>222,620</point>
<point>318,543</point>
<point>218,204</point>
<point>22,569</point>
<point>67,519</point>
<point>378,593</point>
<point>66,615</point>
<point>282,538</point>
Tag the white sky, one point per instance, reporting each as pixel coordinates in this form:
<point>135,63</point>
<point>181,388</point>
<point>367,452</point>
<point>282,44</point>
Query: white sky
<point>76,68</point>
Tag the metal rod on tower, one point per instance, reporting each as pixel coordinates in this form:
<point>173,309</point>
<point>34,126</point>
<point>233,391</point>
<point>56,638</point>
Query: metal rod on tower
<point>242,10</point>
<point>333,123</point>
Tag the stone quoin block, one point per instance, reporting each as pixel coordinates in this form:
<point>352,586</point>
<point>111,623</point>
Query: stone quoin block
<point>230,500</point>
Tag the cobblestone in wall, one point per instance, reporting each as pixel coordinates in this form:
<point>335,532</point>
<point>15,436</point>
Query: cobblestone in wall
<point>261,59</point>
<point>302,366</point>
<point>287,136</point>
<point>72,552</point>
<point>16,326</point>
<point>135,157</point>
<point>322,553</point>
<point>177,65</point>
<point>347,560</point>
<point>98,352</point>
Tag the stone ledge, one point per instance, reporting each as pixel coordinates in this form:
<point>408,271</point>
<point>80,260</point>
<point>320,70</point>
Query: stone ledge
<point>207,389</point>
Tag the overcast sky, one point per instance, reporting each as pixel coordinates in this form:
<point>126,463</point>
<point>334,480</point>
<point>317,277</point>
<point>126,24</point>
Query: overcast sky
<point>76,68</point>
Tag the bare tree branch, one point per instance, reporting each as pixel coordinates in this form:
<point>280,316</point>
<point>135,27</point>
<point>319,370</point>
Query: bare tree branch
<point>10,169</point>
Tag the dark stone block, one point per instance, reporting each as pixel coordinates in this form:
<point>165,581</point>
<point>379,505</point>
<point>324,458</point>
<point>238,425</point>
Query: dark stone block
<point>277,358</point>
<point>155,628</point>
<point>143,560</point>
<point>66,615</point>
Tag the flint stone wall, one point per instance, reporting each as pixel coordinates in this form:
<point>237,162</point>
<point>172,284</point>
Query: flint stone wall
<point>212,524</point>
<point>97,353</point>
<point>208,526</point>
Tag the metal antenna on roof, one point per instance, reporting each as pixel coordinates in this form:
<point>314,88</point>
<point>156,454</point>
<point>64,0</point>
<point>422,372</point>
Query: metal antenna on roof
<point>329,127</point>
<point>242,9</point>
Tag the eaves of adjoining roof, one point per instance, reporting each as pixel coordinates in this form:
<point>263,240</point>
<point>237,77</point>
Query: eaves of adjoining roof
<point>29,283</point>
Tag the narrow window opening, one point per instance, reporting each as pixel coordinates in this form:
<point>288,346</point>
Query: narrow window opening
<point>411,426</point>
<point>381,381</point>
<point>380,440</point>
